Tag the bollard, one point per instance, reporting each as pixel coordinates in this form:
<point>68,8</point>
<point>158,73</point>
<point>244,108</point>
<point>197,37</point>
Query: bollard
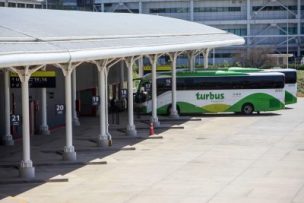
<point>151,129</point>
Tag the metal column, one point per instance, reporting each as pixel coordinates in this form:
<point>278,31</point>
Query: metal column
<point>206,55</point>
<point>173,112</point>
<point>191,10</point>
<point>7,138</point>
<point>69,153</point>
<point>140,67</point>
<point>191,60</point>
<point>26,166</point>
<point>131,130</point>
<point>248,22</point>
<point>139,6</point>
<point>122,75</point>
<point>44,128</point>
<point>106,71</point>
<point>299,28</point>
<point>102,138</point>
<point>154,118</point>
<point>102,7</point>
<point>74,95</point>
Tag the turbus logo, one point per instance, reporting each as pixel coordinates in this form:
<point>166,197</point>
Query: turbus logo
<point>209,95</point>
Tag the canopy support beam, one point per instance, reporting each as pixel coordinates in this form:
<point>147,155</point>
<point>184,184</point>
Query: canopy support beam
<point>7,139</point>
<point>26,170</point>
<point>44,128</point>
<point>153,60</point>
<point>206,58</point>
<point>74,96</point>
<point>102,139</point>
<point>69,153</point>
<point>191,60</point>
<point>105,64</point>
<point>131,130</point>
<point>173,110</point>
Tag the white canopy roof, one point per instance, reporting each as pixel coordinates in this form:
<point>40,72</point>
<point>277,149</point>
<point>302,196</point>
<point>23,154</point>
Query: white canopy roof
<point>36,36</point>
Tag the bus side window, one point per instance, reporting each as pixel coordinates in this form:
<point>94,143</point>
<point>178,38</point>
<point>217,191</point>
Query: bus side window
<point>188,84</point>
<point>180,84</point>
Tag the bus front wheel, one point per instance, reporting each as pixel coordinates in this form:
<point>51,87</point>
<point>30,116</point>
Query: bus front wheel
<point>247,109</point>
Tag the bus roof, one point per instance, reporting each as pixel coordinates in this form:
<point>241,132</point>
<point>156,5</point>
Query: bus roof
<point>283,70</point>
<point>243,69</point>
<point>206,73</point>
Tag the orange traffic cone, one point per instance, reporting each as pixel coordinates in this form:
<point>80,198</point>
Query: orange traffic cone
<point>151,129</point>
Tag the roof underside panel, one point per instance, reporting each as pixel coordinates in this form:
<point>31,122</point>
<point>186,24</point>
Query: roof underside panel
<point>90,36</point>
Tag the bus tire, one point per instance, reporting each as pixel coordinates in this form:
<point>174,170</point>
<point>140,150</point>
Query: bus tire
<point>169,109</point>
<point>247,109</point>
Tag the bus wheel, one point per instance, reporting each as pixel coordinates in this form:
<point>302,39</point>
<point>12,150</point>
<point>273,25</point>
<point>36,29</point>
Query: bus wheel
<point>247,109</point>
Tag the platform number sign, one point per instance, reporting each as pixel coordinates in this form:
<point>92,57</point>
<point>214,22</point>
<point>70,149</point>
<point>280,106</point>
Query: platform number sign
<point>124,93</point>
<point>59,109</point>
<point>95,100</point>
<point>15,119</point>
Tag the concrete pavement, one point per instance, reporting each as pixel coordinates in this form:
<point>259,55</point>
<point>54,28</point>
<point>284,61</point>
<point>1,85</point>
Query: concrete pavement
<point>220,159</point>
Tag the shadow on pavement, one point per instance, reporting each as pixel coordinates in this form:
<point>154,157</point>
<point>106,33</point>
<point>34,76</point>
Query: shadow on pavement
<point>46,152</point>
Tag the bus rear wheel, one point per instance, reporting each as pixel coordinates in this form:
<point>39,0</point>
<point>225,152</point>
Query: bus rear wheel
<point>247,109</point>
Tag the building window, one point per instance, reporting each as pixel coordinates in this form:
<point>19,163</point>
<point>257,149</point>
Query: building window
<point>291,31</point>
<point>221,55</point>
<point>126,10</point>
<point>273,8</point>
<point>20,5</point>
<point>1,4</point>
<point>239,31</point>
<point>216,9</point>
<point>302,28</point>
<point>169,10</point>
<point>107,5</point>
<point>11,4</point>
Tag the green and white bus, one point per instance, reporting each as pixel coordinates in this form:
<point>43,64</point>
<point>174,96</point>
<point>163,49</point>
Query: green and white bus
<point>214,91</point>
<point>290,80</point>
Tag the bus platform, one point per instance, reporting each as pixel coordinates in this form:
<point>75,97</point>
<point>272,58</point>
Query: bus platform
<point>213,158</point>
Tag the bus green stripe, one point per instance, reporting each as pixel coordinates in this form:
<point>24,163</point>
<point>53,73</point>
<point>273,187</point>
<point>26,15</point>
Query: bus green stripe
<point>290,98</point>
<point>257,100</point>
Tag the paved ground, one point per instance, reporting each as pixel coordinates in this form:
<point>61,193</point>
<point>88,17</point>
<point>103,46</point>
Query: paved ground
<point>222,158</point>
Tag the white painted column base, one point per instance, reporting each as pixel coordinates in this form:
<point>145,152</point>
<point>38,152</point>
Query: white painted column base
<point>155,122</point>
<point>174,114</point>
<point>131,131</point>
<point>27,171</point>
<point>102,141</point>
<point>44,130</point>
<point>69,154</point>
<point>8,140</point>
